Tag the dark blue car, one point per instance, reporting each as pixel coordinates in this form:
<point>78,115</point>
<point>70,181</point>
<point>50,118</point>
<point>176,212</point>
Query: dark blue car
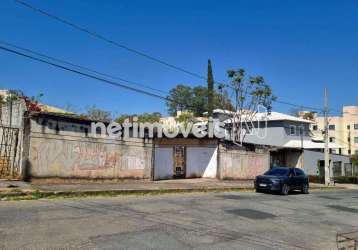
<point>283,180</point>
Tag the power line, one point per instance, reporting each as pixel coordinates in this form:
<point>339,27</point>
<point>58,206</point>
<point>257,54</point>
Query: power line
<point>297,105</point>
<point>110,41</point>
<point>135,51</point>
<point>81,67</point>
<point>113,83</point>
<point>96,72</point>
<point>86,74</point>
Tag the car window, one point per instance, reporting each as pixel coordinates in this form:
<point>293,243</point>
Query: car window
<point>292,172</point>
<point>278,172</point>
<point>299,172</point>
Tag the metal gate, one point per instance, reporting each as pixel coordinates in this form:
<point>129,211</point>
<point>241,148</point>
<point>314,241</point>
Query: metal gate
<point>9,140</point>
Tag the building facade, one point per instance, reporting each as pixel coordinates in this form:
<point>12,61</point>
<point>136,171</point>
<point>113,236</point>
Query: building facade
<point>291,144</point>
<point>341,129</point>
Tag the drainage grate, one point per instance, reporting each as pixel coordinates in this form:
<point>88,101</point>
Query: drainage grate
<point>251,214</point>
<point>342,208</point>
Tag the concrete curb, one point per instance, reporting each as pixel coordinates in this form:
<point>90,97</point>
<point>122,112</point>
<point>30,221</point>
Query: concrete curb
<point>38,194</point>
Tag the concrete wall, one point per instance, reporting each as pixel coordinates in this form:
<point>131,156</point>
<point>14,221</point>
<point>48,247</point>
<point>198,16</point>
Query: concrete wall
<point>240,164</point>
<point>310,159</point>
<point>63,149</point>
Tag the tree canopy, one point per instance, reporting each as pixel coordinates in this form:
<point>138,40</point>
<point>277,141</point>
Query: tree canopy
<point>195,100</point>
<point>98,114</point>
<point>250,93</point>
<point>145,117</point>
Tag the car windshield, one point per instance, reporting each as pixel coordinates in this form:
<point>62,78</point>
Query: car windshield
<point>278,172</point>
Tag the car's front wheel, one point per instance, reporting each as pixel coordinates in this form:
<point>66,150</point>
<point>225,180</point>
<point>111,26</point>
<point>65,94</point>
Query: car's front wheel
<point>304,188</point>
<point>285,189</point>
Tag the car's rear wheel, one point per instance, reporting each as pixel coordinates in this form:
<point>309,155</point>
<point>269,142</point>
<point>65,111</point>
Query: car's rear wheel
<point>285,189</point>
<point>304,188</point>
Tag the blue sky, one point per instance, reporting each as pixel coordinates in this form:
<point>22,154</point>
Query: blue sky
<point>298,46</point>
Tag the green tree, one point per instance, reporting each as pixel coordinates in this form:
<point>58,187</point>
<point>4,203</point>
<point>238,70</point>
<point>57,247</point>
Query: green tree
<point>250,92</point>
<point>354,159</point>
<point>199,102</point>
<point>185,118</point>
<point>180,98</point>
<point>210,81</point>
<point>195,100</point>
<point>98,114</point>
<point>149,117</point>
<point>309,116</point>
<point>145,117</point>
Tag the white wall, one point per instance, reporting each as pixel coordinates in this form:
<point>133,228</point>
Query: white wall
<point>163,163</point>
<point>201,162</point>
<point>311,157</point>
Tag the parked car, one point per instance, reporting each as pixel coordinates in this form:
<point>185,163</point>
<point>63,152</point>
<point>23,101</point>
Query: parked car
<point>283,180</point>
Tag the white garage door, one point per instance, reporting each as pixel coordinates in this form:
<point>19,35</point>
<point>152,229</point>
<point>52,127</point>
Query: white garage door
<point>163,163</point>
<point>201,162</point>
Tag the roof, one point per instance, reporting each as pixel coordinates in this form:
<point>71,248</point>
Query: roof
<point>52,109</point>
<point>275,116</point>
<point>66,116</point>
<point>309,144</point>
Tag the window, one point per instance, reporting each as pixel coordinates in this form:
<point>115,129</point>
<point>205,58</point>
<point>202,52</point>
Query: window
<point>349,151</point>
<point>355,126</point>
<point>315,127</point>
<point>332,139</point>
<point>355,139</point>
<point>348,139</point>
<point>337,168</point>
<point>292,130</point>
<point>332,127</point>
<point>356,152</point>
<point>299,172</point>
<point>300,130</point>
<point>348,127</point>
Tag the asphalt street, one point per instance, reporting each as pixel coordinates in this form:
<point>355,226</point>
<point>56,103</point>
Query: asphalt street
<point>231,220</point>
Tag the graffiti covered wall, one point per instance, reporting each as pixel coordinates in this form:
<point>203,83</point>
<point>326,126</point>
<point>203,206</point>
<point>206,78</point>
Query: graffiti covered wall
<point>67,155</point>
<point>241,164</point>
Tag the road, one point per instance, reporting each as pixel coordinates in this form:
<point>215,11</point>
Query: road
<point>230,220</point>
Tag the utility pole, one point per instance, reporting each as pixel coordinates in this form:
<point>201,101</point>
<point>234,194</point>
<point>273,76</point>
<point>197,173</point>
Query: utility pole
<point>301,135</point>
<point>327,171</point>
<point>210,82</point>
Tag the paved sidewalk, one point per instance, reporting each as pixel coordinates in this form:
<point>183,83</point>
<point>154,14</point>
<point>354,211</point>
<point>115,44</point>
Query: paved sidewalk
<point>149,185</point>
<point>43,188</point>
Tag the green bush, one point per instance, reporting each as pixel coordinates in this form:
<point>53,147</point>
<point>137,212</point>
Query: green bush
<point>346,179</point>
<point>316,179</point>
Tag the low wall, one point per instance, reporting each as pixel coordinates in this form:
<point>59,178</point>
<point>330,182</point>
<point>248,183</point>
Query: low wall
<point>71,154</point>
<point>240,164</point>
<point>311,159</point>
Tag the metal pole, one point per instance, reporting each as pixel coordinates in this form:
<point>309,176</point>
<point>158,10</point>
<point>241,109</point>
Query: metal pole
<point>327,178</point>
<point>302,149</point>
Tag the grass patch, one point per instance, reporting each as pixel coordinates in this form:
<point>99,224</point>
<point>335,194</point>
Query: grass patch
<point>36,195</point>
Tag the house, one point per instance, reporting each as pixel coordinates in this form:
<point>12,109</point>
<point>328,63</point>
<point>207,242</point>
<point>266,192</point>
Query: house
<point>52,144</point>
<point>290,142</point>
<point>61,145</point>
